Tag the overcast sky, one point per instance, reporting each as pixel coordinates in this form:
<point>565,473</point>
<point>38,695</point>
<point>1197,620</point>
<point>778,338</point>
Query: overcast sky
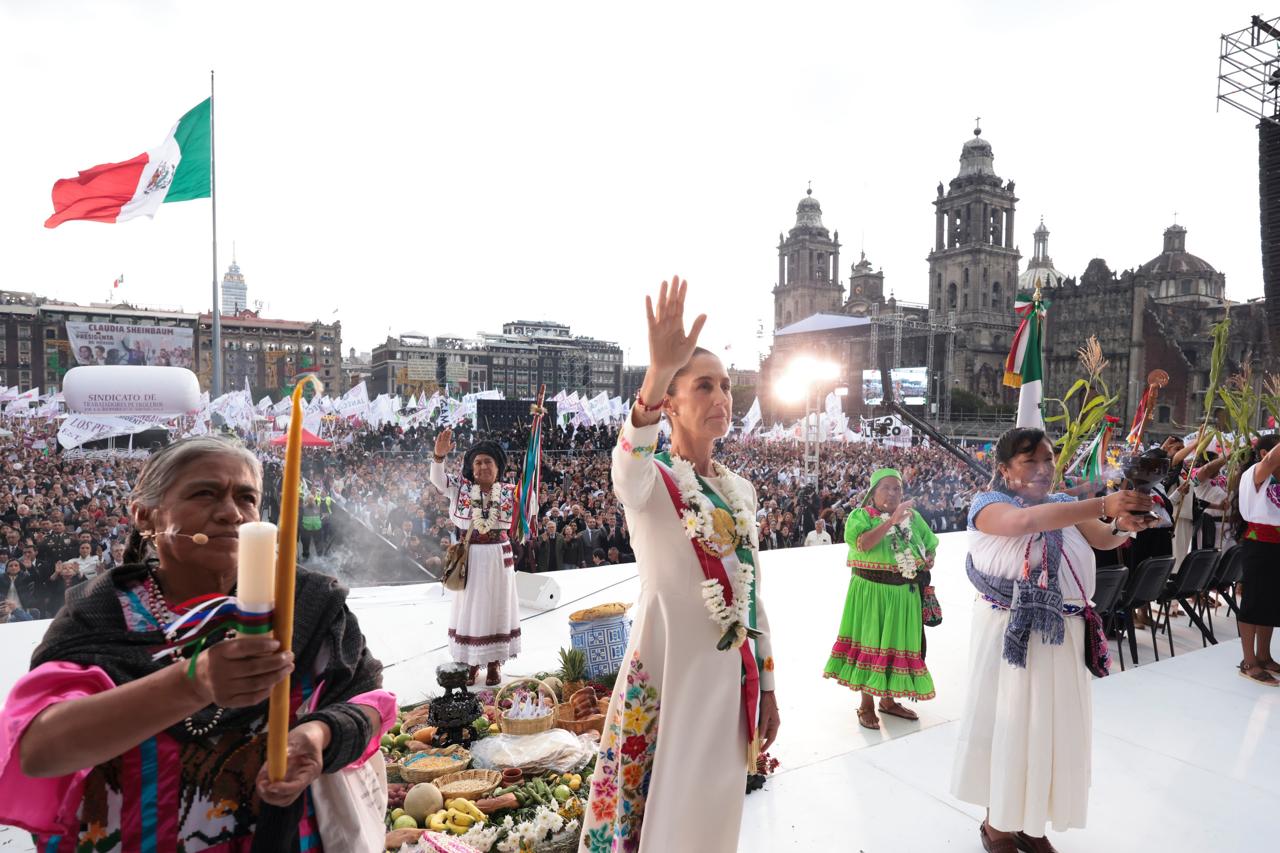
<point>443,168</point>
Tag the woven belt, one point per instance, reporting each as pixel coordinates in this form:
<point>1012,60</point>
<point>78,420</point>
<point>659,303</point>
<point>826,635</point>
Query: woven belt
<point>493,537</point>
<point>888,577</point>
<point>1067,609</point>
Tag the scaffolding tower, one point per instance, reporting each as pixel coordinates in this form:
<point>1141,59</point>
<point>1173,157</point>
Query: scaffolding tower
<point>896,326</point>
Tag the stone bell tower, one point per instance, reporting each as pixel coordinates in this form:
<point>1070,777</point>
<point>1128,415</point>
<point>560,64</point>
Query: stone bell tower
<point>808,266</point>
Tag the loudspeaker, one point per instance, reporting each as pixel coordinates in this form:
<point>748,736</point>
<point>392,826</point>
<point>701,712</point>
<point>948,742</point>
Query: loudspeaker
<point>540,592</point>
<point>1269,208</point>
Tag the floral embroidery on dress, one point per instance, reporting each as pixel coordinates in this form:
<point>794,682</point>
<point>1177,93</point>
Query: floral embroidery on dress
<point>620,785</point>
<point>643,452</point>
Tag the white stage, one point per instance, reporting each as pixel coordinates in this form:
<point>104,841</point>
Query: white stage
<point>1185,750</point>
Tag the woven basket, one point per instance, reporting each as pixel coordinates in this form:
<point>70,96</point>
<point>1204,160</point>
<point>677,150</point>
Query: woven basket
<point>431,764</point>
<point>538,725</point>
<point>469,784</point>
<point>565,720</point>
<point>565,844</point>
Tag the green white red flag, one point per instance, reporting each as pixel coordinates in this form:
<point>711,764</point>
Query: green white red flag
<point>176,170</point>
<point>1024,368</point>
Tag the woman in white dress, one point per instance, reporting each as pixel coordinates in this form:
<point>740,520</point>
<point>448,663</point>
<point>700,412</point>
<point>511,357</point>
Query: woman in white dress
<point>1025,736</point>
<point>484,625</point>
<point>694,701</point>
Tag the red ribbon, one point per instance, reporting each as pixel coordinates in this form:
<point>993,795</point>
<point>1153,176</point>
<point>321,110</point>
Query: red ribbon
<point>713,569</point>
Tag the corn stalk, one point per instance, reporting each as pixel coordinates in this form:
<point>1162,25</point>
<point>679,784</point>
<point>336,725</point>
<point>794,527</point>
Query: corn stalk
<point>1218,360</point>
<point>1090,416</point>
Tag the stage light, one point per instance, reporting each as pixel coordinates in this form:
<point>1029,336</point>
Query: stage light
<point>790,388</point>
<point>842,391</point>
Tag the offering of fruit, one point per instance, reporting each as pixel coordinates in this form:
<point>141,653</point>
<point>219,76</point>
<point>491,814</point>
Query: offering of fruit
<point>404,822</point>
<point>422,800</point>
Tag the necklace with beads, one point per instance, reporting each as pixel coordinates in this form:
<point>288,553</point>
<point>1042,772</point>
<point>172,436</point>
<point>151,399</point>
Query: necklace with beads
<point>153,597</point>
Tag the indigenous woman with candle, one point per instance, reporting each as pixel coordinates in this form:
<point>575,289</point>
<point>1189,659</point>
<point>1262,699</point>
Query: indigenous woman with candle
<point>694,700</point>
<point>484,624</point>
<point>1026,732</point>
<point>880,648</point>
<point>106,746</point>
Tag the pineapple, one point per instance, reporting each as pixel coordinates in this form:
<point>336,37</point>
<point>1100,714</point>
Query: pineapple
<point>573,670</point>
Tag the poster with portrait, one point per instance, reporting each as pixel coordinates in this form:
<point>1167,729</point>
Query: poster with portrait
<point>112,343</point>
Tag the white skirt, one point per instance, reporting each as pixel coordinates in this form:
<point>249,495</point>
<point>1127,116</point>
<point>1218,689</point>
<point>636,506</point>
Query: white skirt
<point>1025,740</point>
<point>484,626</point>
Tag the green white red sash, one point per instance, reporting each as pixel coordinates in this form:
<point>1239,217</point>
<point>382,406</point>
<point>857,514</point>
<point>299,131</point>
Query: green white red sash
<point>720,569</point>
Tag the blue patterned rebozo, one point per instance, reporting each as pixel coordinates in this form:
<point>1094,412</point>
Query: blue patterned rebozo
<point>1030,607</point>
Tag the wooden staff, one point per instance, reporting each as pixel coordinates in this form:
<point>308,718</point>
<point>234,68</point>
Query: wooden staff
<point>286,571</point>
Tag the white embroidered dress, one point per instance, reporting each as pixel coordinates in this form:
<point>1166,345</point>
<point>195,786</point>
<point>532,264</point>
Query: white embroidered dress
<point>1025,743</point>
<point>484,624</point>
<point>673,754</point>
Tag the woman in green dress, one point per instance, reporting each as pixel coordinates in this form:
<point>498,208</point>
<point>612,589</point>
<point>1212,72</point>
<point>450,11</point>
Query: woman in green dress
<point>880,647</point>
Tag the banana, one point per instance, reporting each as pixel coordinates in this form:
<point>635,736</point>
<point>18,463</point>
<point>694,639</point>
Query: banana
<point>460,818</point>
<point>436,823</point>
<point>455,828</point>
<point>467,807</point>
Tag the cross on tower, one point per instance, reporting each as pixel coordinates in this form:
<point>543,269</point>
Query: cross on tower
<point>977,126</point>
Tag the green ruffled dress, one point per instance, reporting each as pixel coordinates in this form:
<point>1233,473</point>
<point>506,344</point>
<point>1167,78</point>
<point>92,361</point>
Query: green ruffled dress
<point>878,649</point>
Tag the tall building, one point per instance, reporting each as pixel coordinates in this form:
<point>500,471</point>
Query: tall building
<point>22,358</point>
<point>517,361</point>
<point>808,268</point>
<point>973,268</point>
<point>270,352</point>
<point>1159,316</point>
<point>235,293</point>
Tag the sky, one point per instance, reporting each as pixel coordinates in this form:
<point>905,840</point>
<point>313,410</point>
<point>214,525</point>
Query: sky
<point>442,168</point>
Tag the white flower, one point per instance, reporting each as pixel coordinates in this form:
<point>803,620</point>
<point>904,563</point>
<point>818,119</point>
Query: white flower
<point>691,524</point>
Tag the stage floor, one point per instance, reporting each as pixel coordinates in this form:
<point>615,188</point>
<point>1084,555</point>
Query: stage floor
<point>1184,749</point>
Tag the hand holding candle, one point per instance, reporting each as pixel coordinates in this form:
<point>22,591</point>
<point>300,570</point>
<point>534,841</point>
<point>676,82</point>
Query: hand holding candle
<point>286,567</point>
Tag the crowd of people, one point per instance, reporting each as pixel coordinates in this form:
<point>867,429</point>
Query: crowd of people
<point>63,520</point>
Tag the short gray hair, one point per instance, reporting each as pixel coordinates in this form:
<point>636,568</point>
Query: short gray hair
<point>164,466</point>
<point>162,470</point>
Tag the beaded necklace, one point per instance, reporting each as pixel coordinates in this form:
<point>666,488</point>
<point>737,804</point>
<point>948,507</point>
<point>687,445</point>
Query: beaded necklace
<point>153,598</point>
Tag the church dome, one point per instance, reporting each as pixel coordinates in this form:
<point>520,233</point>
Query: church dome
<point>1175,259</point>
<point>1041,265</point>
<point>976,157</point>
<point>809,213</point>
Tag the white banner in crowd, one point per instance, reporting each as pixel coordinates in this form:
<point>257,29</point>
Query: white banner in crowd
<point>79,429</point>
<point>111,343</point>
<point>753,418</point>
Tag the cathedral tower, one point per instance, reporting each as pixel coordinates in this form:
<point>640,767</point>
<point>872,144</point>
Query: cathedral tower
<point>808,268</point>
<point>973,268</point>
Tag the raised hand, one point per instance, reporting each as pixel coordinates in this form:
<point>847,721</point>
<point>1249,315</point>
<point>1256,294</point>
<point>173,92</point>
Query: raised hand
<point>670,346</point>
<point>444,442</point>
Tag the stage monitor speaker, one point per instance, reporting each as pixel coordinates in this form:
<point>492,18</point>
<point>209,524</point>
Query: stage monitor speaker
<point>1269,209</point>
<point>540,592</point>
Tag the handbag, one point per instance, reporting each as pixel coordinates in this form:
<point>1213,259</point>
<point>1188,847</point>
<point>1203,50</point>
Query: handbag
<point>930,609</point>
<point>455,564</point>
<point>1097,652</point>
<point>351,806</point>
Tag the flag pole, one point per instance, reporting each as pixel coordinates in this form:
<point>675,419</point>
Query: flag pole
<point>215,357</point>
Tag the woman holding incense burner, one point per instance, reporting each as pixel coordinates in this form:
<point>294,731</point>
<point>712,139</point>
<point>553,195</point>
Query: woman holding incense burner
<point>694,700</point>
<point>484,624</point>
<point>1026,732</point>
<point>880,647</point>
<point>180,760</point>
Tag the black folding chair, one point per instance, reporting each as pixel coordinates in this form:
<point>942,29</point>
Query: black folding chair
<point>1108,581</point>
<point>1230,571</point>
<point>1145,585</point>
<point>1192,578</point>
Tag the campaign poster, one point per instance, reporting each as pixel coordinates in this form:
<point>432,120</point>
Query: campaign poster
<point>112,343</point>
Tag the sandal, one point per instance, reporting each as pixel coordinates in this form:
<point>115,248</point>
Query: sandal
<point>1258,675</point>
<point>1269,665</point>
<point>893,709</point>
<point>868,720</point>
<point>493,678</point>
<point>1033,843</point>
<point>472,675</point>
<point>996,845</point>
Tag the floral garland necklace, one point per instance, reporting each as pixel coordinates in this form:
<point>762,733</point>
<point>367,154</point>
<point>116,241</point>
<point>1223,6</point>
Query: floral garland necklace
<point>481,522</point>
<point>720,533</point>
<point>900,538</point>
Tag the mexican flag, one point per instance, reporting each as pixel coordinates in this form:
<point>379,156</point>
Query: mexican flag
<point>176,170</point>
<point>1024,368</point>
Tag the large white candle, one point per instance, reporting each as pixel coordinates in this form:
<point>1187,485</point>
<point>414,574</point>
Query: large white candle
<point>256,581</point>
